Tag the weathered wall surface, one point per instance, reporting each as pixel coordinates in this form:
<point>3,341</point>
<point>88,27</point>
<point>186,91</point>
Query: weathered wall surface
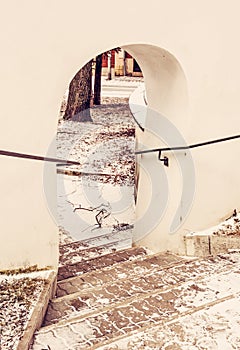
<point>43,45</point>
<point>200,188</point>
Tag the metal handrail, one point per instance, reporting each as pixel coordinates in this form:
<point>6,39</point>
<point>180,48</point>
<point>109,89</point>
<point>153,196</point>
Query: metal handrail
<point>34,157</point>
<point>179,148</point>
<point>164,149</point>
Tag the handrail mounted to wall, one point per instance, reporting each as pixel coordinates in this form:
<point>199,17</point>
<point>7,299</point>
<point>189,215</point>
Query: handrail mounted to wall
<point>165,160</point>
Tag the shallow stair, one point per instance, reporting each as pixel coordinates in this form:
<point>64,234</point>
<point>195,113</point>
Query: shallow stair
<point>100,261</point>
<point>94,247</point>
<point>124,300</point>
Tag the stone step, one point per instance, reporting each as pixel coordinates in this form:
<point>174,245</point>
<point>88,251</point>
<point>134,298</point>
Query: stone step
<point>76,252</point>
<point>144,265</point>
<point>133,285</point>
<point>144,311</point>
<point>119,234</point>
<point>214,328</point>
<point>81,267</point>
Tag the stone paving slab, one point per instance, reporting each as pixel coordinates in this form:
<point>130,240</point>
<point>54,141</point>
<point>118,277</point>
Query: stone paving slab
<point>216,328</point>
<point>153,309</point>
<point>146,264</point>
<point>79,268</point>
<point>133,285</point>
<point>76,252</point>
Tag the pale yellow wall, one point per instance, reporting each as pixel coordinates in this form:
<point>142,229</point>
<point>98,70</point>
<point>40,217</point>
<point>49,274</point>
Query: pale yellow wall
<point>44,43</point>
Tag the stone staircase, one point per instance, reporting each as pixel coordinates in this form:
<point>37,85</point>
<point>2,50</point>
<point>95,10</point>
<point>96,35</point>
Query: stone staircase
<point>113,298</point>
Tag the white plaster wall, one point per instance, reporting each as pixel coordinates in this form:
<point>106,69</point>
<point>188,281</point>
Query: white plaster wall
<point>44,43</point>
<point>201,99</point>
<point>169,91</point>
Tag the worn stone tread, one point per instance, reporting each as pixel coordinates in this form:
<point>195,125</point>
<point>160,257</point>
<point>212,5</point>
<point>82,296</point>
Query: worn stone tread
<point>77,252</point>
<point>81,267</point>
<point>132,285</point>
<point>156,308</point>
<point>216,327</point>
<point>96,241</point>
<point>145,264</point>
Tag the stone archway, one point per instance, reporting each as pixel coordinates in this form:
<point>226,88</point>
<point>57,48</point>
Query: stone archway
<point>166,93</point>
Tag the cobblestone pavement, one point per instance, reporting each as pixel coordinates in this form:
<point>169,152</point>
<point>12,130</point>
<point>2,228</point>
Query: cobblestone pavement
<point>145,265</point>
<point>138,303</point>
<point>100,262</point>
<point>132,285</point>
<point>112,125</point>
<point>94,247</point>
<point>214,328</point>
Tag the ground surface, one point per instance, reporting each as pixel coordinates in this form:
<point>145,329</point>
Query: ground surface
<point>105,179</point>
<point>152,302</point>
<point>19,294</point>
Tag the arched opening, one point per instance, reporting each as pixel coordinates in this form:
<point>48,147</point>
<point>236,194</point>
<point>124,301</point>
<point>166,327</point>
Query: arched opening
<point>166,93</point>
<point>165,81</point>
<point>96,199</point>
